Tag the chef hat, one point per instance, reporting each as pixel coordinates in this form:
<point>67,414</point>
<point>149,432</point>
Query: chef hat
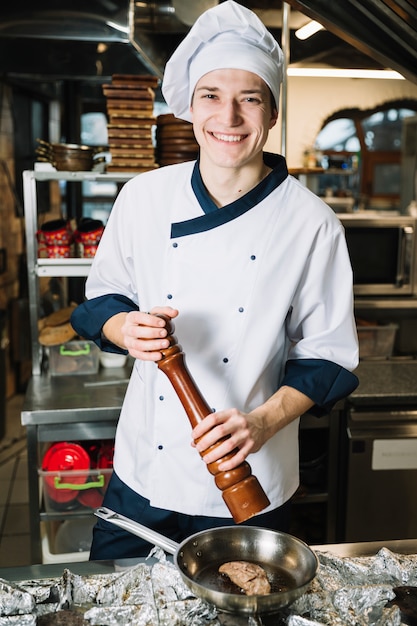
<point>228,36</point>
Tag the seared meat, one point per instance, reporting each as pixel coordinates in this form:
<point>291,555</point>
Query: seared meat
<point>250,577</point>
<point>62,618</point>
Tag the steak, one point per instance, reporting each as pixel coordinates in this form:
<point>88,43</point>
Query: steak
<point>62,618</point>
<point>250,577</point>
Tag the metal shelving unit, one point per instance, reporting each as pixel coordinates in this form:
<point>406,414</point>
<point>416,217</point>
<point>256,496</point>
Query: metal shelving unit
<point>39,267</point>
<point>64,407</point>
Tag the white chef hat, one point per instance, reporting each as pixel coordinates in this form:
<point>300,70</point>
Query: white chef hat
<point>228,36</point>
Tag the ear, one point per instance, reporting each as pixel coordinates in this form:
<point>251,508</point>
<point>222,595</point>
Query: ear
<point>274,118</point>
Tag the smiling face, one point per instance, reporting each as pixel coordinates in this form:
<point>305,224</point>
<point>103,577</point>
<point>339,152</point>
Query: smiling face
<point>232,114</point>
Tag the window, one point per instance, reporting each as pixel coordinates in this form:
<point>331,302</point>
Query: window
<point>374,137</point>
<point>339,135</point>
<point>382,130</point>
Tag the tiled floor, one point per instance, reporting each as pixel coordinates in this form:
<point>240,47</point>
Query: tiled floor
<point>14,502</point>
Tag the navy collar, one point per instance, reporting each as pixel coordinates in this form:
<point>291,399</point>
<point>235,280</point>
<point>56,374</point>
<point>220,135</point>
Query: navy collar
<point>213,216</point>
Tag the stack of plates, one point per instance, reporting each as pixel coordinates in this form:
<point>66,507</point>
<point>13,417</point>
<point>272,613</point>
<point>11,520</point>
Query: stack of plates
<point>175,141</point>
<point>130,105</point>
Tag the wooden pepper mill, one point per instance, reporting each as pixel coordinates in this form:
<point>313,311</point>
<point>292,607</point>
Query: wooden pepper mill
<point>241,491</point>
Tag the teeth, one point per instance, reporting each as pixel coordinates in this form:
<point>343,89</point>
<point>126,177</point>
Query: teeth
<point>230,138</point>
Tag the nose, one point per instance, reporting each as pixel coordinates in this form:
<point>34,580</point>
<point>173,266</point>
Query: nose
<point>230,113</point>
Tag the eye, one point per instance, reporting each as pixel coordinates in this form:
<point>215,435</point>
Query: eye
<point>253,100</point>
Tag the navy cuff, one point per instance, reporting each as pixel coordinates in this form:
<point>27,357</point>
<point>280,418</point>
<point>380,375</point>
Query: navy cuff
<point>89,318</point>
<point>323,381</point>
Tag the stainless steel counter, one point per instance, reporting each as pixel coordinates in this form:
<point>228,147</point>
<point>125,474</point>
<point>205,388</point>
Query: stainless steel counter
<point>73,398</point>
<point>52,570</point>
<point>369,548</point>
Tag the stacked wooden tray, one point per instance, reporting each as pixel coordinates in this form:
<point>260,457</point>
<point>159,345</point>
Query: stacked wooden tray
<point>130,110</point>
<point>175,141</point>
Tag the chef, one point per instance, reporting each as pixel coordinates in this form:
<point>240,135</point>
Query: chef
<point>254,271</point>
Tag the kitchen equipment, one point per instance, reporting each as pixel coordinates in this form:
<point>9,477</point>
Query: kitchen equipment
<point>383,253</point>
<point>101,459</point>
<point>64,457</point>
<point>381,473</point>
<point>409,165</point>
<point>55,237</point>
<point>56,335</point>
<point>69,157</point>
<point>290,564</point>
<point>89,231</point>
<point>55,232</point>
<point>74,358</point>
<point>175,140</point>
<point>130,113</point>
<point>74,535</point>
<point>87,236</point>
<point>241,490</point>
<point>111,359</point>
<point>376,341</point>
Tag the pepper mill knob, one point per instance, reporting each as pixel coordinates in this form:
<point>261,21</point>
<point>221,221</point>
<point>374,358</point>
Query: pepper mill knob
<point>241,491</point>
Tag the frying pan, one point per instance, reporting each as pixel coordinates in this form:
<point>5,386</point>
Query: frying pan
<point>289,563</point>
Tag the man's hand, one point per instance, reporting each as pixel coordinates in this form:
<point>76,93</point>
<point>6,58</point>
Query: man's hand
<point>247,432</point>
<point>244,433</point>
<point>142,334</point>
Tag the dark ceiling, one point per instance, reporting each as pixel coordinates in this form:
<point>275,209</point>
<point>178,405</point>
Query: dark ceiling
<point>74,39</point>
<point>385,30</point>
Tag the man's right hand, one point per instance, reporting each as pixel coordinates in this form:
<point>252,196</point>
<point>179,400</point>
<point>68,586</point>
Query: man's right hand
<point>142,334</point>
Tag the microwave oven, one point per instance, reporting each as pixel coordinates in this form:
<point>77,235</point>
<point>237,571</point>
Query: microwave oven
<point>382,251</point>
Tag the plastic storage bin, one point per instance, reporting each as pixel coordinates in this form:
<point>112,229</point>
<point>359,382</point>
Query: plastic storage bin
<point>67,541</point>
<point>74,357</point>
<point>376,341</point>
<point>66,491</point>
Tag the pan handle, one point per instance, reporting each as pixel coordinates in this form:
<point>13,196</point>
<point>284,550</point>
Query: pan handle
<point>137,529</point>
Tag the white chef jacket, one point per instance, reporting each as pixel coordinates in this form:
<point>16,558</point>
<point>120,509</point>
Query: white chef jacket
<point>255,283</point>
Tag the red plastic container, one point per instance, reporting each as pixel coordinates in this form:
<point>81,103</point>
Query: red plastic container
<point>59,459</point>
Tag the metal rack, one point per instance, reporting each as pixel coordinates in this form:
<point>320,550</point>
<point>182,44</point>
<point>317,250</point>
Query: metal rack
<point>50,267</point>
<point>65,409</point>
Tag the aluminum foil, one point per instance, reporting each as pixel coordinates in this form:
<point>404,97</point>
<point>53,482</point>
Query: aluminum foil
<point>354,591</point>
<point>142,615</point>
<point>14,600</point>
<point>18,620</point>
<point>345,592</point>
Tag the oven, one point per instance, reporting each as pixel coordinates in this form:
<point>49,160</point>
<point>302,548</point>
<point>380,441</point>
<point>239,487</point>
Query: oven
<point>383,250</point>
<point>381,474</point>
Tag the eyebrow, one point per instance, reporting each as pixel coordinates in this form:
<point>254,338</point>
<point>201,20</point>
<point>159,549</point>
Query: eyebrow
<point>243,92</point>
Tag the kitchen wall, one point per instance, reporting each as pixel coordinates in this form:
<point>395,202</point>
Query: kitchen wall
<point>11,242</point>
<point>312,100</point>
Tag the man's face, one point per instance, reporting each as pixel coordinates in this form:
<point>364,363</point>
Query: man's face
<point>232,115</point>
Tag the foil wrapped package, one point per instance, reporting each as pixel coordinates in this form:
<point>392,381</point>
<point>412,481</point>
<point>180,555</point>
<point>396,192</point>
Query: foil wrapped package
<point>346,592</point>
<point>14,600</point>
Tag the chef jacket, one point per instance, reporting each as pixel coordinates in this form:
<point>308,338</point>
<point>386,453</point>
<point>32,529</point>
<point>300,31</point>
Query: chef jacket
<point>264,292</point>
